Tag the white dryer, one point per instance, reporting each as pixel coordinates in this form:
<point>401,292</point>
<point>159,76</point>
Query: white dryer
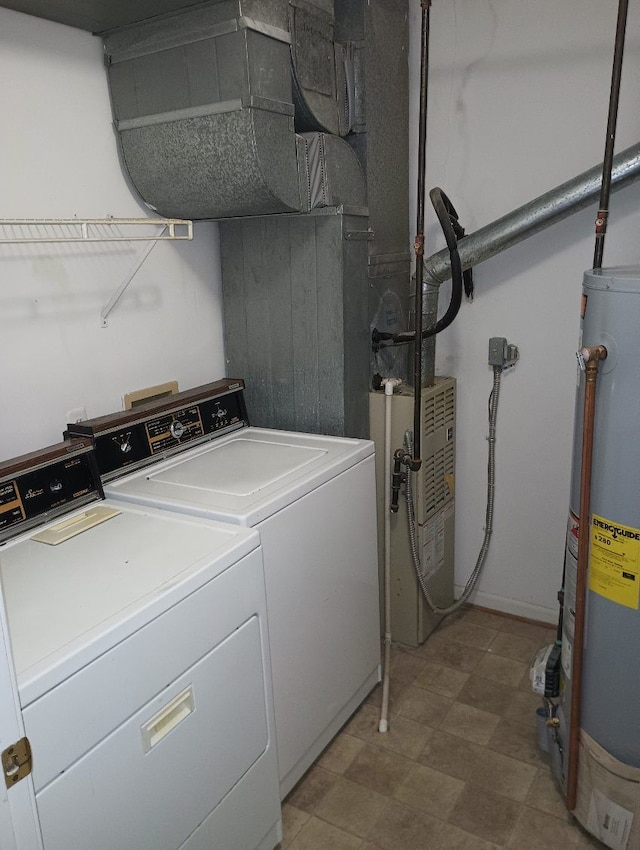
<point>140,647</point>
<point>312,499</point>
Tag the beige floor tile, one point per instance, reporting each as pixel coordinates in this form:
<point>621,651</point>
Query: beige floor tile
<point>545,795</point>
<point>488,815</point>
<point>292,822</point>
<point>453,838</point>
<point>452,755</point>
<point>405,667</point>
<point>340,753</point>
<point>523,706</point>
<point>525,683</point>
<point>379,769</point>
<point>400,827</point>
<point>585,839</point>
<point>370,791</point>
<point>487,619</point>
<point>466,632</point>
<point>318,835</point>
<point>396,689</point>
<point>351,807</point>
<point>363,722</point>
<point>429,790</point>
<point>440,679</point>
<point>518,741</point>
<point>486,694</point>
<point>514,646</point>
<point>433,835</point>
<point>537,831</point>
<point>461,657</point>
<point>504,775</point>
<point>503,670</point>
<point>470,723</point>
<point>423,706</point>
<point>404,736</point>
<point>311,789</point>
<point>538,632</point>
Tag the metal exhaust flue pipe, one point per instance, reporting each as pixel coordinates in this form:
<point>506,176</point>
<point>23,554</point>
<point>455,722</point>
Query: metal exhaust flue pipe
<point>531,218</point>
<point>515,227</point>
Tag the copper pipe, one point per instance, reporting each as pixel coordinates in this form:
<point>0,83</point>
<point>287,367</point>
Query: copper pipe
<point>590,358</point>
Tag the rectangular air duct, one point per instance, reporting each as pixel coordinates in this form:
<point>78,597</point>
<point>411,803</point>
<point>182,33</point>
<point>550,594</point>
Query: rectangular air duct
<point>203,108</point>
<point>295,305</point>
<point>411,618</point>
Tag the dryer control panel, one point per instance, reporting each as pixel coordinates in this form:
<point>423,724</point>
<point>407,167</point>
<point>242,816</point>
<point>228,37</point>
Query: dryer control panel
<point>40,486</point>
<point>132,438</point>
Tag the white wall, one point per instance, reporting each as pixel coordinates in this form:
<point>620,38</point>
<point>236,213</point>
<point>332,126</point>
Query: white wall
<point>517,104</point>
<point>58,159</point>
<point>518,100</point>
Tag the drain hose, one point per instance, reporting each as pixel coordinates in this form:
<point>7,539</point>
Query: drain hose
<point>488,529</point>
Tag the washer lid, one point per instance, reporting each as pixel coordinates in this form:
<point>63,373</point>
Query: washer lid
<point>245,476</point>
<point>240,468</point>
<point>69,603</point>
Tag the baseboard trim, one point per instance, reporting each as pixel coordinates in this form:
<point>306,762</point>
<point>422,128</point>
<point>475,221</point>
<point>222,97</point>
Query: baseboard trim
<point>511,606</point>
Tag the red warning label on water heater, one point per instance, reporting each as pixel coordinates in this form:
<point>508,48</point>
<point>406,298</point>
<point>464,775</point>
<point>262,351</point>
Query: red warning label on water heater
<point>614,568</point>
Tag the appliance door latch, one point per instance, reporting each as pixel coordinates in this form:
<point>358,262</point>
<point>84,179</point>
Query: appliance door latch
<point>16,762</point>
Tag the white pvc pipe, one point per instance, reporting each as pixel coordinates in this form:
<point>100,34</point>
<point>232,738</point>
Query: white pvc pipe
<point>389,385</point>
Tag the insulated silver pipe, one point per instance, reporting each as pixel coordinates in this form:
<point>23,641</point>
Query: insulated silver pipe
<point>534,216</point>
<point>515,227</point>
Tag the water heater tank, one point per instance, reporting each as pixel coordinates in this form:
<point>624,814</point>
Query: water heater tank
<point>610,708</point>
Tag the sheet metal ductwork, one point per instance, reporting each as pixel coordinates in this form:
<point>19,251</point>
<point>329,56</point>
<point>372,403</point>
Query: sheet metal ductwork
<point>323,73</point>
<point>203,102</point>
<point>300,292</point>
<point>293,114</point>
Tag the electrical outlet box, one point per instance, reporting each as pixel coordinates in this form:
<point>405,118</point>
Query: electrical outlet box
<point>501,352</point>
<point>497,346</point>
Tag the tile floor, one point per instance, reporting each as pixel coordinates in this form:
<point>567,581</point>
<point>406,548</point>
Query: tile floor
<point>459,768</point>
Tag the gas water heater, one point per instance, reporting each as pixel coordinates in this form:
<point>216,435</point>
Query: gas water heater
<point>608,800</point>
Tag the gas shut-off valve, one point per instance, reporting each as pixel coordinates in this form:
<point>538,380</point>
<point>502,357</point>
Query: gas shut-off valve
<point>502,353</point>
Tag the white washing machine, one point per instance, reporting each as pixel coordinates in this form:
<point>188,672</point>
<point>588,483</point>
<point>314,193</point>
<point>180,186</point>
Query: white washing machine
<point>312,499</point>
<point>140,647</point>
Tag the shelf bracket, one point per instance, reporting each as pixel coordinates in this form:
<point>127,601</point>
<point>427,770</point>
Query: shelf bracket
<point>117,295</point>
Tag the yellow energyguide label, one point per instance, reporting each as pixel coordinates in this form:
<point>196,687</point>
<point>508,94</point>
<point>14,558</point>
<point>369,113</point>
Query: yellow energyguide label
<point>614,567</point>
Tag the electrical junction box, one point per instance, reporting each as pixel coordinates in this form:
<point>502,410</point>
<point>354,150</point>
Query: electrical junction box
<point>434,505</point>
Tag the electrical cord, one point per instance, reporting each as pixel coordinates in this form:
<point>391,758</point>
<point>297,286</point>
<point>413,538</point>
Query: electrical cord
<point>488,529</point>
<point>452,230</point>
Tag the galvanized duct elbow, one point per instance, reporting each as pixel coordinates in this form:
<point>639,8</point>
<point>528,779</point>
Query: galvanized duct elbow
<point>238,162</point>
<point>204,110</point>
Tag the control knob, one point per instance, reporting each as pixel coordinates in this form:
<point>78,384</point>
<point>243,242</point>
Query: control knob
<point>123,442</point>
<point>176,429</point>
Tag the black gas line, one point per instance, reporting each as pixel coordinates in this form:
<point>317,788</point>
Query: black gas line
<point>607,165</point>
<point>415,462</point>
